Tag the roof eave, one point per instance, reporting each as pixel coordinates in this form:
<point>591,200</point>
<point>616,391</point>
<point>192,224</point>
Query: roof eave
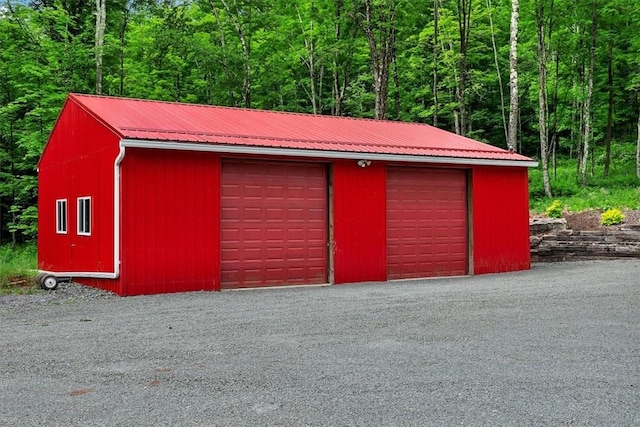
<point>297,152</point>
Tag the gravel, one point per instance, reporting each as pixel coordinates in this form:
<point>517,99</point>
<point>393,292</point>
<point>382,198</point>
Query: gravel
<point>64,293</point>
<point>557,345</point>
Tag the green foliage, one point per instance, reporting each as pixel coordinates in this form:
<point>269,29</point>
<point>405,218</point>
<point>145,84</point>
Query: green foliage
<point>17,269</point>
<point>620,189</point>
<point>611,217</point>
<point>315,57</point>
<point>554,210</point>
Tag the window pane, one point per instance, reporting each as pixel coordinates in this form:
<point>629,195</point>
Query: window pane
<point>87,216</point>
<point>61,216</point>
<point>84,216</point>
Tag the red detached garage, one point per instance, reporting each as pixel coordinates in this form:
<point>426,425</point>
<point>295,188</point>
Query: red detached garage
<point>143,197</point>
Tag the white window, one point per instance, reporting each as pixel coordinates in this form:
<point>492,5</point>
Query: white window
<point>61,216</point>
<point>84,216</point>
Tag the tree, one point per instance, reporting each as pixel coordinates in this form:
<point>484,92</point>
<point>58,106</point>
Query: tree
<point>436,49</point>
<point>101,23</point>
<point>512,134</point>
<point>463,10</point>
<point>587,105</point>
<point>498,74</point>
<point>543,114</point>
<point>378,24</point>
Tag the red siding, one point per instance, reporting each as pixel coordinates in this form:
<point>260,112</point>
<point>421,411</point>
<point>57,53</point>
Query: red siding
<point>78,161</point>
<point>500,220</point>
<point>426,222</point>
<point>359,235</point>
<point>170,221</point>
<point>273,223</point>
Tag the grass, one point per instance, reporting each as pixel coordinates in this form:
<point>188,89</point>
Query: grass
<point>17,269</point>
<point>620,190</point>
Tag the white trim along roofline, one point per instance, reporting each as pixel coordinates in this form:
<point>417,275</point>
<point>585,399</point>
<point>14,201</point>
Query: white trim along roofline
<point>298,152</point>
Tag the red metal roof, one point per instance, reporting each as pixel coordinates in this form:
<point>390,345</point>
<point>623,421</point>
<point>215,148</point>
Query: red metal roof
<point>157,121</point>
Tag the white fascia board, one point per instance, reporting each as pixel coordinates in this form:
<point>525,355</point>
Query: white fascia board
<point>319,154</point>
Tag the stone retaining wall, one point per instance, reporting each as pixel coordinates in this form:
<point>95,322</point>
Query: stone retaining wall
<point>558,244</point>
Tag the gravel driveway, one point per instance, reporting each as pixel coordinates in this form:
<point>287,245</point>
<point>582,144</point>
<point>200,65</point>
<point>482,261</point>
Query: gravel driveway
<point>556,345</point>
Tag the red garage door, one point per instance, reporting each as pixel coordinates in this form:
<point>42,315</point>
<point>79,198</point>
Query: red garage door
<point>426,222</point>
<point>273,224</point>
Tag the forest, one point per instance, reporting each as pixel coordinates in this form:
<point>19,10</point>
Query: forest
<point>551,79</point>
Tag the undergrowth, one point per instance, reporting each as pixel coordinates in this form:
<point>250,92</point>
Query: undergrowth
<point>17,269</point>
<point>621,189</point>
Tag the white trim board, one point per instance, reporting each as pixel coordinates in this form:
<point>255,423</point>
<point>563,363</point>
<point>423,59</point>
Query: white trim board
<point>321,154</point>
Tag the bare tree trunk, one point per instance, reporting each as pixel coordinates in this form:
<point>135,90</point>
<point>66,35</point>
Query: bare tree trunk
<point>396,84</point>
<point>543,115</point>
<point>464,28</point>
<point>223,45</point>
<point>495,60</point>
<point>245,44</point>
<point>310,61</point>
<point>553,132</point>
<point>101,23</point>
<point>587,107</point>
<point>381,50</point>
<point>512,139</point>
<point>436,33</point>
<point>340,66</point>
<point>456,122</point>
<point>607,141</point>
<point>123,33</point>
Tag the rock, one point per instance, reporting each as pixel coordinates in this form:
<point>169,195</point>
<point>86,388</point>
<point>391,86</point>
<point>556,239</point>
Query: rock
<point>547,225</point>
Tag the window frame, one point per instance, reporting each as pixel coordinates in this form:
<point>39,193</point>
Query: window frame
<point>62,203</point>
<point>82,214</point>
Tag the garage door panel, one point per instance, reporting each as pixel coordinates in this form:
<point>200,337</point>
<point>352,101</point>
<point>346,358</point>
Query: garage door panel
<point>275,217</point>
<point>426,222</point>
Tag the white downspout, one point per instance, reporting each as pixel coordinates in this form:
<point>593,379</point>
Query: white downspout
<point>116,211</point>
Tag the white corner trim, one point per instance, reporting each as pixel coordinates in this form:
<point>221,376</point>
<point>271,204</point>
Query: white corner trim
<point>298,152</point>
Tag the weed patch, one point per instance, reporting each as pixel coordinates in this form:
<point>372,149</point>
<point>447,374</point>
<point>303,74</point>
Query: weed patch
<point>18,269</point>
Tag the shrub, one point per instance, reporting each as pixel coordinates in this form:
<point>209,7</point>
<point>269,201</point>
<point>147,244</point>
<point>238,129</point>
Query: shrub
<point>611,217</point>
<point>554,210</point>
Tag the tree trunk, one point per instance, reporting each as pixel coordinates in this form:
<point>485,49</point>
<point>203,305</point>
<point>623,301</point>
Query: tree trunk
<point>396,84</point>
<point>245,44</point>
<point>464,28</point>
<point>223,46</point>
<point>587,106</point>
<point>123,33</point>
<point>381,51</point>
<point>542,96</point>
<point>340,66</point>
<point>512,140</point>
<point>436,33</point>
<point>309,61</point>
<point>495,60</point>
<point>553,132</point>
<point>101,23</point>
<point>607,141</point>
